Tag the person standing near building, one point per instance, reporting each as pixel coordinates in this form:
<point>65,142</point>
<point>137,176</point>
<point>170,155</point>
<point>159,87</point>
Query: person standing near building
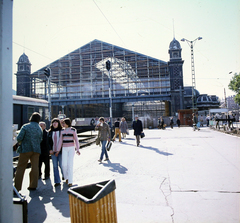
<point>105,135</point>
<point>52,140</point>
<point>124,127</point>
<point>161,123</point>
<point>178,122</point>
<point>29,139</point>
<point>201,121</point>
<point>138,129</point>
<point>171,122</point>
<point>208,119</point>
<point>44,156</point>
<point>68,142</point>
<point>195,122</point>
<point>117,130</point>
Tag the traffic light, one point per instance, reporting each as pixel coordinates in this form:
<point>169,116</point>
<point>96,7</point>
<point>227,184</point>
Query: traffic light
<point>108,65</point>
<point>47,72</point>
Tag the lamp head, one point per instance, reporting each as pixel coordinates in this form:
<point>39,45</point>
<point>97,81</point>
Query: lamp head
<point>183,39</point>
<point>199,38</point>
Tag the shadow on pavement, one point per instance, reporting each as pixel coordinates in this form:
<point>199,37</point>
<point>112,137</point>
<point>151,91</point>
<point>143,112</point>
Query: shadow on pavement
<point>156,150</point>
<point>45,194</point>
<point>116,167</point>
<point>61,200</point>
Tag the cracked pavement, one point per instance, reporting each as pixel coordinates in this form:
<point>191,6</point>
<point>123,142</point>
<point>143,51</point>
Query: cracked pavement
<point>176,175</point>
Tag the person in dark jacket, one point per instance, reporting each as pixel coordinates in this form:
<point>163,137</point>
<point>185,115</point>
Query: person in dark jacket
<point>178,123</point>
<point>138,129</point>
<point>171,122</point>
<point>117,130</point>
<point>161,123</point>
<point>44,156</point>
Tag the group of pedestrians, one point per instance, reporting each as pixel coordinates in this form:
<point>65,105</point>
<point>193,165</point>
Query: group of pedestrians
<point>120,128</point>
<point>162,125</point>
<point>37,144</point>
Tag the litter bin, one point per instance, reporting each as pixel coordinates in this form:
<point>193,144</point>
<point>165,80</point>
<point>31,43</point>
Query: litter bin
<point>93,203</point>
<point>20,208</point>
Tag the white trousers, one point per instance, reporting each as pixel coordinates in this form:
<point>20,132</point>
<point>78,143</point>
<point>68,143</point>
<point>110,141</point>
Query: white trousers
<point>67,163</point>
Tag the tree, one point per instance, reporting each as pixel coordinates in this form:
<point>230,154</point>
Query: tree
<point>234,85</point>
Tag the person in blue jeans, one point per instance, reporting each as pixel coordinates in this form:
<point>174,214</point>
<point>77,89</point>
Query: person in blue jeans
<point>52,140</point>
<point>104,134</point>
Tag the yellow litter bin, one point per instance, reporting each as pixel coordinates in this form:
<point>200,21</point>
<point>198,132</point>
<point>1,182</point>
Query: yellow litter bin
<point>93,203</point>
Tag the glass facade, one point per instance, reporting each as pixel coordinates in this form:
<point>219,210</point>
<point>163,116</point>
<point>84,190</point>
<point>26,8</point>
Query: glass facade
<point>82,74</point>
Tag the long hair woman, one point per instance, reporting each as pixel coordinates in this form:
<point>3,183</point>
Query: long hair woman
<point>53,140</point>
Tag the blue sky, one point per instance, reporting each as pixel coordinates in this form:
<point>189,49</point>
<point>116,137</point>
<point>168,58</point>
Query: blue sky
<point>49,29</point>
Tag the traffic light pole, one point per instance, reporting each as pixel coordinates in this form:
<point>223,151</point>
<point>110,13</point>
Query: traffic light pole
<point>49,99</point>
<point>110,98</point>
<point>48,72</point>
<point>108,67</point>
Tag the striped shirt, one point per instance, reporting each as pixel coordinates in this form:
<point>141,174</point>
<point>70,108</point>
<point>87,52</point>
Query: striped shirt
<point>68,138</point>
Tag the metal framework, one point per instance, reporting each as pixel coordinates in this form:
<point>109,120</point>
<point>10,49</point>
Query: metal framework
<point>194,99</point>
<point>82,75</point>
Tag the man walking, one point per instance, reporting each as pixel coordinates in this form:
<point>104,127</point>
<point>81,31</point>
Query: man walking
<point>117,130</point>
<point>138,129</point>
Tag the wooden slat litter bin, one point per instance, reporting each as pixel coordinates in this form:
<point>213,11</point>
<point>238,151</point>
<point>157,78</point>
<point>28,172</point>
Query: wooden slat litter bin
<point>93,203</point>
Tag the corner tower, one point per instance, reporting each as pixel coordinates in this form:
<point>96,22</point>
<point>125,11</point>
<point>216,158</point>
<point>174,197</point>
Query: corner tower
<point>176,76</point>
<point>23,76</point>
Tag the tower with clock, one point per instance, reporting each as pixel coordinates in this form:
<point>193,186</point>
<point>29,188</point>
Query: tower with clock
<point>176,76</point>
<point>23,76</point>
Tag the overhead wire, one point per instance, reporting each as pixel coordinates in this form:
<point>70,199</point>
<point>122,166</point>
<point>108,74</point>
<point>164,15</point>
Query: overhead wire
<point>32,50</point>
<point>109,22</point>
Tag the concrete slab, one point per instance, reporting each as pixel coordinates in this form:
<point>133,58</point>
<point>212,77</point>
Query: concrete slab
<point>176,175</point>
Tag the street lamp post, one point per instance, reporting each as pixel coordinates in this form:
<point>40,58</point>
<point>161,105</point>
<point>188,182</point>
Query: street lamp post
<point>47,72</point>
<point>190,43</point>
<point>108,66</point>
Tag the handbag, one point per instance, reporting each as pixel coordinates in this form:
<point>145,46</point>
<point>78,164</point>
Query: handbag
<point>109,145</point>
<point>142,135</point>
<point>98,139</point>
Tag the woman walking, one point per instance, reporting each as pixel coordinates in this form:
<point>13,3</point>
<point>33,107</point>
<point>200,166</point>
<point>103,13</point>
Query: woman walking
<point>68,142</point>
<point>104,134</point>
<point>52,140</point>
<point>124,127</point>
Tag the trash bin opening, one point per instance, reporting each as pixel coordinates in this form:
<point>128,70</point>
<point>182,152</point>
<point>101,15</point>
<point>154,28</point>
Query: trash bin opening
<point>88,192</point>
<point>93,192</point>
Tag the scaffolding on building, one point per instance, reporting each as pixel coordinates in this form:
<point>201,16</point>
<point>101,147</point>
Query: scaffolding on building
<point>82,74</point>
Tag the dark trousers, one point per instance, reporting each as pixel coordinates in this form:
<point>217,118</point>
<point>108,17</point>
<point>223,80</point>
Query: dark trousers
<point>44,158</point>
<point>138,139</point>
<point>21,167</point>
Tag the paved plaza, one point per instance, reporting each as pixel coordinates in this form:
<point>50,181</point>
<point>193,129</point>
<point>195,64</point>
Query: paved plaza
<point>176,175</point>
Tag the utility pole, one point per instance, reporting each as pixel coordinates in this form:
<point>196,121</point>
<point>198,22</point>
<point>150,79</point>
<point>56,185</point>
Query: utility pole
<point>190,43</point>
<point>6,111</point>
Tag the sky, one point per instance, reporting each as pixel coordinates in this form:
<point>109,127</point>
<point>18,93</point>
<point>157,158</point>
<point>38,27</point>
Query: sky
<point>46,30</point>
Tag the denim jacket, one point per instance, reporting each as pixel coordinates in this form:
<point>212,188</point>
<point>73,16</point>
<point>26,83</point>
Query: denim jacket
<point>29,138</point>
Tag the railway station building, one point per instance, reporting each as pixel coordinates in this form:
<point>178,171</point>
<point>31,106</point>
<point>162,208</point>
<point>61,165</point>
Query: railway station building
<point>80,83</point>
